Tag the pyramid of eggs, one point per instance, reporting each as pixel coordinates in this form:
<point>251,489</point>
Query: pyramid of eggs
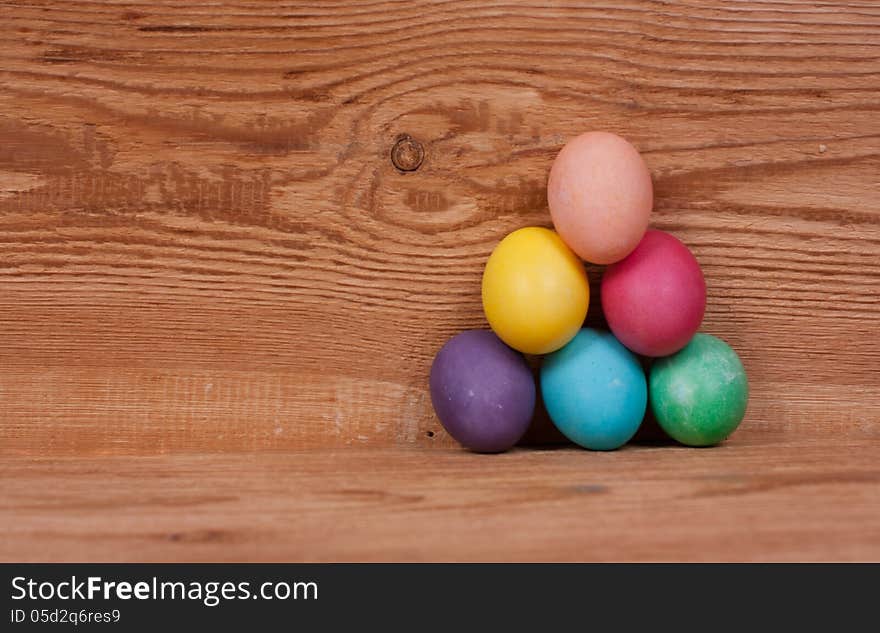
<point>593,383</point>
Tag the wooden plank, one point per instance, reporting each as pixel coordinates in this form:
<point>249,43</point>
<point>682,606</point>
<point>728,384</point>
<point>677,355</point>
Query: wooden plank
<point>807,500</point>
<point>204,245</point>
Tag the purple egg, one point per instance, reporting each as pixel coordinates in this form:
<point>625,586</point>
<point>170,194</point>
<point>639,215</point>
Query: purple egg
<point>483,391</point>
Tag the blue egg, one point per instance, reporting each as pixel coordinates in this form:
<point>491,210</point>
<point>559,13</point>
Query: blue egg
<point>594,390</point>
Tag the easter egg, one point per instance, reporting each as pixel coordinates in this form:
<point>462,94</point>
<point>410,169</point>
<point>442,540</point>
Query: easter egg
<point>699,394</point>
<point>594,390</point>
<point>535,291</point>
<point>654,299</point>
<point>600,196</point>
<point>483,392</point>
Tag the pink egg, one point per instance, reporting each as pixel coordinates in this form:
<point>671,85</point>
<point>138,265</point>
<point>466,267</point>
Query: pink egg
<point>654,299</point>
<point>600,196</point>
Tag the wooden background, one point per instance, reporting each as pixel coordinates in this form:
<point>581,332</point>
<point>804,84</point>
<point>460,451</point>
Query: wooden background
<point>206,249</point>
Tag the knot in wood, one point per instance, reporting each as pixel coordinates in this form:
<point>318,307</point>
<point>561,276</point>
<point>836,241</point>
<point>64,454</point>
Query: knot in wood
<point>407,153</point>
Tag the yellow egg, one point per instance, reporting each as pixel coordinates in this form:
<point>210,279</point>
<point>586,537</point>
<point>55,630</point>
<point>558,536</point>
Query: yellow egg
<point>535,291</point>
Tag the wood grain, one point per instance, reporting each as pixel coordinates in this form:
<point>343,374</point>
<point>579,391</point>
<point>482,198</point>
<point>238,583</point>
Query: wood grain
<point>745,501</point>
<point>204,244</point>
<point>219,297</point>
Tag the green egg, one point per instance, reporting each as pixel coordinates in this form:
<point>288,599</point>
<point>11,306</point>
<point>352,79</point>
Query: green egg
<point>699,394</point>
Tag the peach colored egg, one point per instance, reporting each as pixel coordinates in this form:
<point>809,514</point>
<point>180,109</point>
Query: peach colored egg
<point>600,196</point>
